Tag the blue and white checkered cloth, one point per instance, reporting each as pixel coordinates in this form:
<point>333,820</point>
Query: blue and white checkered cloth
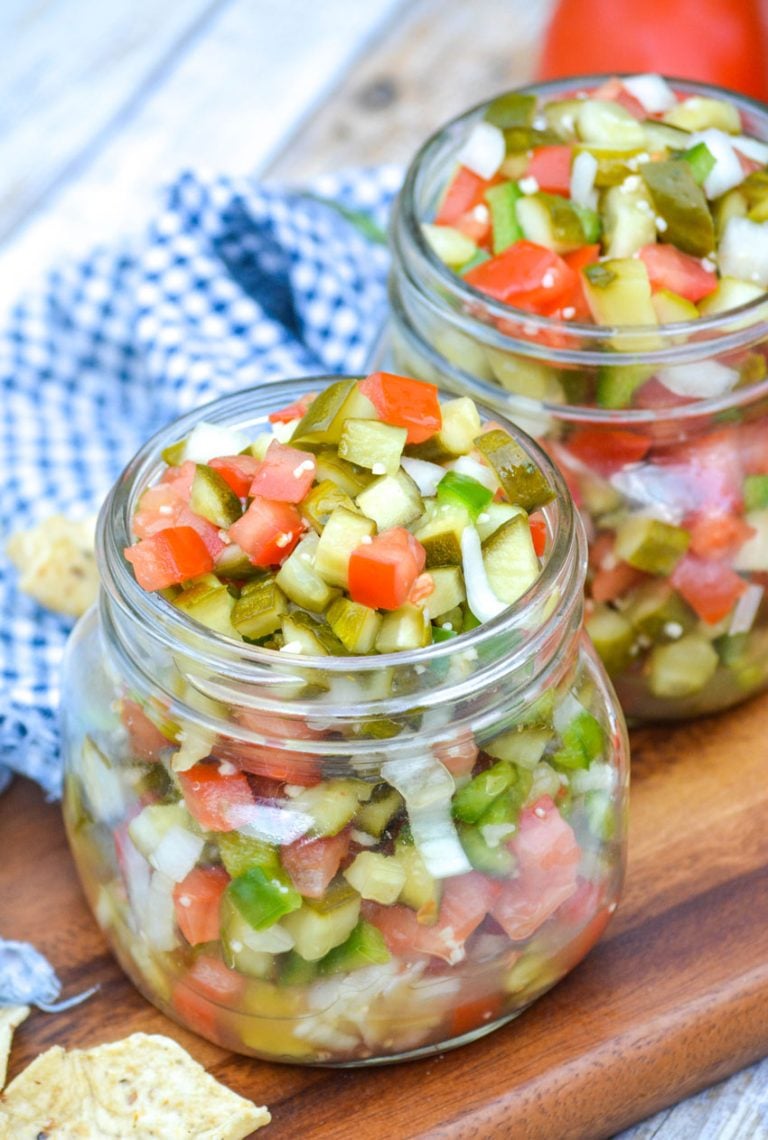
<point>233,284</point>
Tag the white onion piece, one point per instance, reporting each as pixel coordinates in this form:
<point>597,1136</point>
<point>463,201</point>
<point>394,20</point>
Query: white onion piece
<point>745,610</point>
<point>427,786</point>
<point>482,601</point>
<point>158,918</point>
<point>583,173</point>
<point>752,148</point>
<point>484,150</point>
<point>177,853</point>
<point>102,784</point>
<point>206,441</point>
<point>727,171</point>
<point>274,940</point>
<point>753,555</point>
<point>744,251</point>
<point>271,824</point>
<point>425,475</point>
<point>566,711</point>
<point>466,465</point>
<point>704,380</point>
<point>651,91</point>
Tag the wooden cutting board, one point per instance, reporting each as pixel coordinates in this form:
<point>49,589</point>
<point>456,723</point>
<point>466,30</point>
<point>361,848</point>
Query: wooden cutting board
<point>673,999</point>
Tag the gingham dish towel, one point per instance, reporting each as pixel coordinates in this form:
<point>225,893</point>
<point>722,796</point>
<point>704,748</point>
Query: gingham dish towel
<point>233,284</point>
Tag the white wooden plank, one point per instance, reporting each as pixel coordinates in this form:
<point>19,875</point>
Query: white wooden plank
<point>67,68</point>
<point>227,104</point>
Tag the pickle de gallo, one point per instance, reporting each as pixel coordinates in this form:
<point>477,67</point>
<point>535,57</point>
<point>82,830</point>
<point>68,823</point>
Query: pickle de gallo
<point>347,783</point>
<point>592,258</point>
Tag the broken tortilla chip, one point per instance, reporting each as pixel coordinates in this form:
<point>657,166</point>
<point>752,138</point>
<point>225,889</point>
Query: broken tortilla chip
<point>145,1086</point>
<point>57,563</point>
<point>11,1017</point>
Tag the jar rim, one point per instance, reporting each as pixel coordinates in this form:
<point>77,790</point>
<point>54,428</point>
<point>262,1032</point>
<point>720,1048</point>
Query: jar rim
<point>727,328</point>
<point>564,570</point>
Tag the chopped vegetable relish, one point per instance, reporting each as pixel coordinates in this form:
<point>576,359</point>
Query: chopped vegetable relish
<point>372,519</point>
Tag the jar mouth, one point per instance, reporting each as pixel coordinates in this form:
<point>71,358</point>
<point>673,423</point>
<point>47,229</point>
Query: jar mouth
<point>562,574</point>
<point>472,309</point>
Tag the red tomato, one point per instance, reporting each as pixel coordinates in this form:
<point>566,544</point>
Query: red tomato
<point>292,411</point>
<point>670,268</point>
<point>398,400</point>
<point>614,90</point>
<point>525,275</point>
<point>218,801</point>
<point>474,1012</point>
<point>548,860</point>
<point>716,41</point>
<point>285,474</point>
<point>275,761</point>
<point>146,740</point>
<point>196,900</point>
<point>207,985</point>
<point>551,167</point>
<point>458,755</point>
<point>719,535</point>
<point>607,451</point>
<point>237,470</point>
<point>160,506</point>
<point>169,558</point>
<point>611,582</point>
<point>466,191</point>
<point>710,588</point>
<point>268,531</point>
<point>382,572</point>
<point>312,863</point>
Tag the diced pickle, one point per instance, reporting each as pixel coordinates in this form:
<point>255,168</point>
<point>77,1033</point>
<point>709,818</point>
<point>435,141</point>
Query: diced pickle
<point>461,423</point>
<point>300,581</point>
<point>522,481</point>
<point>441,535</point>
<point>356,626</point>
<point>342,534</point>
<point>628,219</point>
<point>510,560</point>
<point>259,609</point>
<point>650,544</point>
<point>681,668</point>
<point>656,609</point>
<point>212,497</point>
<point>681,204</point>
<point>512,109</point>
<point>612,636</point>
<point>448,590</point>
<point>699,112</point>
<point>318,506</point>
<point>392,500</point>
<point>374,816</point>
<point>208,601</point>
<point>364,947</point>
<point>618,292</point>
<point>552,221</point>
<point>402,629</point>
<point>348,477</point>
<point>373,445</point>
<point>322,924</point>
<point>323,421</point>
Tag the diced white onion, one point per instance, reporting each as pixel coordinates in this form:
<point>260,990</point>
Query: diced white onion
<point>752,148</point>
<point>425,475</point>
<point>651,91</point>
<point>482,601</point>
<point>427,786</point>
<point>566,711</point>
<point>598,777</point>
<point>274,940</point>
<point>158,919</point>
<point>272,824</point>
<point>704,380</point>
<point>206,441</point>
<point>583,171</point>
<point>744,251</point>
<point>466,465</point>
<point>102,783</point>
<point>727,171</point>
<point>745,610</point>
<point>753,555</point>
<point>484,150</point>
<point>177,853</point>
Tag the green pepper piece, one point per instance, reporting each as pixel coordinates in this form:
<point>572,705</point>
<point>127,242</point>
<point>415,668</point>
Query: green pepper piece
<point>701,161</point>
<point>297,971</point>
<point>492,859</point>
<point>240,853</point>
<point>260,608</point>
<point>512,109</point>
<point>521,479</point>
<point>464,491</point>
<point>617,384</point>
<point>650,544</point>
<point>439,633</point>
<point>364,947</point>
<point>502,201</point>
<point>212,497</point>
<point>263,898</point>
<point>475,797</point>
<point>755,491</point>
<point>583,740</point>
<point>680,202</point>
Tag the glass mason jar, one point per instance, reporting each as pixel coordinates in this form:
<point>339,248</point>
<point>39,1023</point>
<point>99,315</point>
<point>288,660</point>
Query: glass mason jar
<point>204,773</point>
<point>682,628</point>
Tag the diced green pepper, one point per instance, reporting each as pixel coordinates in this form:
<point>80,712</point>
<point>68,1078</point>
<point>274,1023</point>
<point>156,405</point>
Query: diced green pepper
<point>755,491</point>
<point>502,201</point>
<point>476,796</point>
<point>701,161</point>
<point>263,898</point>
<point>365,946</point>
<point>582,741</point>
<point>494,859</point>
<point>464,491</point>
<point>240,853</point>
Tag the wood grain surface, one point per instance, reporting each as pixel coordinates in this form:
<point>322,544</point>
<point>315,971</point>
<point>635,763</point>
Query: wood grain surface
<point>674,998</point>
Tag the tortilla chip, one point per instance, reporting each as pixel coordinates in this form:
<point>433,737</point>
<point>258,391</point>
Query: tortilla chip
<point>142,1087</point>
<point>11,1016</point>
<point>57,564</point>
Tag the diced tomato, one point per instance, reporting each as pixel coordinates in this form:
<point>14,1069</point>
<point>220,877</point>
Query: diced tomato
<point>607,451</point>
<point>670,268</point>
<point>382,572</point>
<point>653,394</point>
<point>160,506</point>
<point>579,259</point>
<point>614,581</point>
<point>719,535</point>
<point>196,900</point>
<point>285,474</point>
<point>613,90</point>
<point>474,1012</point>
<point>548,860</point>
<point>236,470</point>
<point>146,740</point>
<point>219,801</point>
<point>268,531</point>
<point>458,755</point>
<point>275,761</point>
<point>402,402</point>
<point>169,557</point>
<point>293,411</point>
<point>421,589</point>
<point>551,167</point>
<point>466,900</point>
<point>207,985</point>
<point>312,863</point>
<point>525,275</point>
<point>710,588</point>
<point>466,191</point>
<point>538,527</point>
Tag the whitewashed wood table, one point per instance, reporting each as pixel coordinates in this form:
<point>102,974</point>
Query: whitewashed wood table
<point>101,103</point>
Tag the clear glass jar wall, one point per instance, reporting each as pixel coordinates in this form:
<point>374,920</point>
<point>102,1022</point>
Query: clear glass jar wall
<point>485,777</point>
<point>683,630</point>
